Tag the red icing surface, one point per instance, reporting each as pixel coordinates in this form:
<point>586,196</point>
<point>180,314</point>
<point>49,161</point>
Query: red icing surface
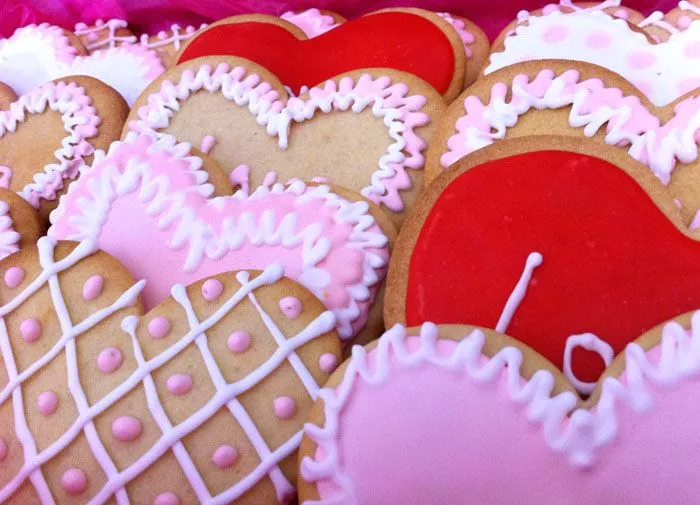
<point>396,40</point>
<point>614,265</point>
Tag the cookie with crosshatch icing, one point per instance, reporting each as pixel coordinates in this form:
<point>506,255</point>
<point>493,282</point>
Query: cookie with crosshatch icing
<point>49,132</point>
<point>502,425</point>
<point>366,130</point>
<point>578,100</point>
<point>200,400</point>
<point>596,245</point>
<point>150,203</point>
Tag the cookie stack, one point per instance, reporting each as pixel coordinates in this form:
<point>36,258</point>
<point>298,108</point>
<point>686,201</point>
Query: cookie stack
<point>205,232</point>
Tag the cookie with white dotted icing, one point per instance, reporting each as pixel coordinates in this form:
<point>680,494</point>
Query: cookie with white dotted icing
<point>200,400</point>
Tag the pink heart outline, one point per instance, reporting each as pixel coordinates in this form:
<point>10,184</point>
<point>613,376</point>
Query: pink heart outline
<point>588,439</point>
<point>332,246</point>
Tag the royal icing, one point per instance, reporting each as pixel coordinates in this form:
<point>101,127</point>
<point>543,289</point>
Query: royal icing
<point>174,38</point>
<point>14,277</point>
<point>332,246</point>
<point>479,421</point>
<point>238,341</point>
<point>313,22</point>
<point>663,72</point>
<point>80,121</point>
<point>594,107</point>
<point>9,238</point>
<point>104,34</point>
<point>460,27</point>
<point>391,102</point>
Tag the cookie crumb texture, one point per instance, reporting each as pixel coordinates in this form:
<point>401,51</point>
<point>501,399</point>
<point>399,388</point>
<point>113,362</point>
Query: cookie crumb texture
<point>201,400</point>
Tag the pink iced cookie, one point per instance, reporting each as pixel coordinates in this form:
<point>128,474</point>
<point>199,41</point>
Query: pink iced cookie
<point>313,22</point>
<point>663,71</point>
<point>151,195</point>
<point>435,418</point>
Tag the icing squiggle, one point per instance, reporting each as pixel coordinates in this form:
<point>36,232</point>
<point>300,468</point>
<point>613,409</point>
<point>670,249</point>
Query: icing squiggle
<point>400,112</point>
<point>109,29</point>
<point>579,434</point>
<point>311,21</point>
<point>594,107</point>
<point>460,27</point>
<point>175,38</point>
<point>80,121</point>
<point>9,238</point>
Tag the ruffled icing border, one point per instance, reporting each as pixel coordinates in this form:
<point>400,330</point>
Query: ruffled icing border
<point>577,433</point>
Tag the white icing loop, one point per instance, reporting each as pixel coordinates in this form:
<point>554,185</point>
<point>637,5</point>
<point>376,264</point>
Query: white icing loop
<point>590,342</point>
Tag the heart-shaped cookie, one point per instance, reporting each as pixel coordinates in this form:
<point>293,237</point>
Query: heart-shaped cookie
<point>37,54</point>
<point>474,418</point>
<point>554,97</point>
<point>201,400</point>
<point>417,42</point>
<point>152,195</point>
<point>365,131</point>
<point>48,133</point>
<point>595,245</point>
<point>663,72</point>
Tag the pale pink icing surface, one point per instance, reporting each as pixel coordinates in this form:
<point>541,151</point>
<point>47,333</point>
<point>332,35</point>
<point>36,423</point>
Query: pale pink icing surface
<point>311,21</point>
<point>150,195</point>
<point>594,107</point>
<point>417,421</point>
<point>401,112</point>
<point>81,124</point>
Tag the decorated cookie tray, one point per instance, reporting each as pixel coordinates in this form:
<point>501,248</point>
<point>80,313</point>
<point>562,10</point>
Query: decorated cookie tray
<point>347,254</point>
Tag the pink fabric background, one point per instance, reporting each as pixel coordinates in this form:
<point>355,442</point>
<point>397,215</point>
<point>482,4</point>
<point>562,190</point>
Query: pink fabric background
<point>151,15</point>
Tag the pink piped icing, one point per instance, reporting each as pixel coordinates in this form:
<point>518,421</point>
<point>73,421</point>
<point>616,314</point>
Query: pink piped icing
<point>30,329</point>
<point>212,289</point>
<point>109,360</point>
<point>238,341</point>
<point>167,498</point>
<point>285,407</point>
<point>159,327</point>
<point>460,27</point>
<point>327,362</point>
<point>14,277</point>
<point>74,481</point>
<point>291,307</point>
<point>179,384</point>
<point>93,287</point>
<point>312,22</point>
<point>47,403</point>
<point>126,428</point>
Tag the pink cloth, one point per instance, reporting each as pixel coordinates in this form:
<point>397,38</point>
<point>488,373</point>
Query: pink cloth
<point>152,15</point>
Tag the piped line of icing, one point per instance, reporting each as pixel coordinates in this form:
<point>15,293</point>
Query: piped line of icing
<point>108,29</point>
<point>516,297</point>
<point>460,27</point>
<point>594,107</point>
<point>9,238</point>
<point>175,38</point>
<point>80,121</point>
<point>389,101</point>
<point>577,433</point>
<point>311,21</point>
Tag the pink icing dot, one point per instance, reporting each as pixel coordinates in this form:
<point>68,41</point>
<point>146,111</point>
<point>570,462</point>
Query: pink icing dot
<point>692,50</point>
<point>291,307</point>
<point>14,277</point>
<point>211,289</point>
<point>109,360</point>
<point>555,34</point>
<point>327,362</point>
<point>621,13</point>
<point>640,59</point>
<point>74,481</point>
<point>225,456</point>
<point>238,341</point>
<point>93,287</point>
<point>4,449</point>
<point>159,327</point>
<point>92,37</point>
<point>47,403</point>
<point>285,407</point>
<point>179,384</point>
<point>166,499</point>
<point>30,330</point>
<point>684,22</point>
<point>599,40</point>
<point>126,428</point>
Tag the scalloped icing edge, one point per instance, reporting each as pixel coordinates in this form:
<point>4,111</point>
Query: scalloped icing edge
<point>400,113</point>
<point>576,432</point>
<point>169,208</point>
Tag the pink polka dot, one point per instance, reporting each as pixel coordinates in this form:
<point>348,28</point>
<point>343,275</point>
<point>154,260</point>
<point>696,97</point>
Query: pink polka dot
<point>327,362</point>
<point>109,360</point>
<point>166,499</point>
<point>93,287</point>
<point>179,384</point>
<point>555,34</point>
<point>238,341</point>
<point>126,428</point>
<point>159,327</point>
<point>688,85</point>
<point>684,22</point>
<point>14,277</point>
<point>640,59</point>
<point>692,50</point>
<point>30,329</point>
<point>4,449</point>
<point>74,481</point>
<point>225,456</point>
<point>290,307</point>
<point>621,13</point>
<point>599,40</point>
<point>212,289</point>
<point>47,403</point>
<point>285,407</point>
